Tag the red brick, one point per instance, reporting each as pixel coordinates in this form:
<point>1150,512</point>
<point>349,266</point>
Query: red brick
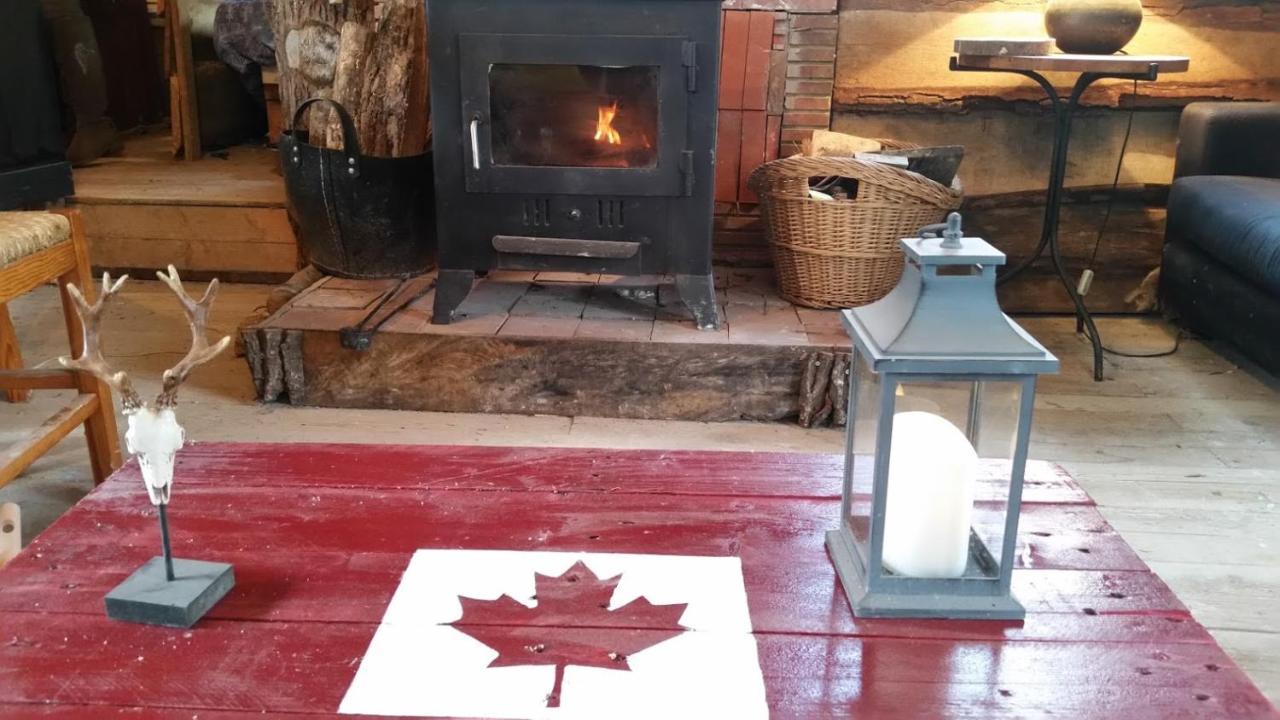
<point>808,102</point>
<point>800,86</point>
<point>755,94</point>
<point>821,22</point>
<point>811,71</point>
<point>774,138</point>
<point>733,59</point>
<point>794,136</point>
<point>812,53</point>
<point>813,37</point>
<point>806,118</point>
<point>755,136</point>
<point>728,155</point>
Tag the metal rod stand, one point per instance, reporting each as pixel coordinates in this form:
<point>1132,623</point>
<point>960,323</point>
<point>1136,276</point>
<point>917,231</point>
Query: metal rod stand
<point>164,542</point>
<point>1063,110</point>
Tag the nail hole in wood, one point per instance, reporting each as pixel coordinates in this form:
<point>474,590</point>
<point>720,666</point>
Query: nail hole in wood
<point>1144,671</point>
<point>1213,667</point>
<point>1201,697</point>
<point>1086,551</point>
<point>1006,693</point>
<point>1042,534</point>
<point>7,528</point>
<point>1117,595</point>
<point>1090,611</point>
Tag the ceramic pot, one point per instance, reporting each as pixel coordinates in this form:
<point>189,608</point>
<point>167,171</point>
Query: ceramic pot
<point>1094,27</point>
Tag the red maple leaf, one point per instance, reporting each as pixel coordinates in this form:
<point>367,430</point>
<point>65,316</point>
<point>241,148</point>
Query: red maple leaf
<point>570,624</point>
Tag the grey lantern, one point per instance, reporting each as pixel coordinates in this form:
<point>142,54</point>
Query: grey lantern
<point>942,389</point>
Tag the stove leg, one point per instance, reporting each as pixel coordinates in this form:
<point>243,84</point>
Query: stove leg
<point>699,294</point>
<point>452,287</point>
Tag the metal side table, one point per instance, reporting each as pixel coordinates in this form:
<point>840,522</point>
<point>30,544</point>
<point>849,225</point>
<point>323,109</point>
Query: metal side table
<point>1090,68</point>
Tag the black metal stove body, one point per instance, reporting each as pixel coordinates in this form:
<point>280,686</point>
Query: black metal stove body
<point>575,135</point>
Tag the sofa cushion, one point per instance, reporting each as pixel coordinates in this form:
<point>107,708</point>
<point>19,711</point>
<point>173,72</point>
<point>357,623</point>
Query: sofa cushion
<point>1233,219</point>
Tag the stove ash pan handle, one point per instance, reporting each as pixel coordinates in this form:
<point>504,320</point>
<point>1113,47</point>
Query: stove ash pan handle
<point>475,141</point>
<point>350,140</point>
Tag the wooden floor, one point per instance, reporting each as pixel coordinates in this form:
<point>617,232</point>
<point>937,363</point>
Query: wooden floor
<point>319,536</point>
<point>1182,453</point>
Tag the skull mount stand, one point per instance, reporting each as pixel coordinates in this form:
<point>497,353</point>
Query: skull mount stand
<point>167,591</point>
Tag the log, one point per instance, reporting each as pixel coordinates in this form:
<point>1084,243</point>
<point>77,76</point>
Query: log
<point>365,63</point>
<point>815,405</point>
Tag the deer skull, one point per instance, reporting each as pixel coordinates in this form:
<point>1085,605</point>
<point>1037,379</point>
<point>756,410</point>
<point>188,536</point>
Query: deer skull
<point>153,435</point>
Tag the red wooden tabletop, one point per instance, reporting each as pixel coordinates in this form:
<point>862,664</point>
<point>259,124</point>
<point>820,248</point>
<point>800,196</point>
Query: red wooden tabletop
<point>320,535</point>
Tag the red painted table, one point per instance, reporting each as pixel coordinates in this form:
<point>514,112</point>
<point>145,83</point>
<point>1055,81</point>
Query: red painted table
<point>320,534</point>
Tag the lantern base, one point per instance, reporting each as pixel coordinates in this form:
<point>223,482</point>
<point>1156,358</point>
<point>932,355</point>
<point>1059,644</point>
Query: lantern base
<point>914,605</point>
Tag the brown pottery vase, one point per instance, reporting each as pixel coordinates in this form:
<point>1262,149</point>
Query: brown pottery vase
<point>1093,27</point>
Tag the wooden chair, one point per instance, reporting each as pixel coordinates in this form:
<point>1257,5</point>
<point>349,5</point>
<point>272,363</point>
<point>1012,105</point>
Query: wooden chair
<point>37,248</point>
<point>10,532</point>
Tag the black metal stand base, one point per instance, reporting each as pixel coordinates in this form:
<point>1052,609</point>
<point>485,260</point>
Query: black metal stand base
<point>452,287</point>
<point>149,597</point>
<point>698,292</point>
<point>1063,109</point>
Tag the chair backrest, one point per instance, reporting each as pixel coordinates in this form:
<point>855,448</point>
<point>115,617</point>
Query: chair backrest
<point>10,532</point>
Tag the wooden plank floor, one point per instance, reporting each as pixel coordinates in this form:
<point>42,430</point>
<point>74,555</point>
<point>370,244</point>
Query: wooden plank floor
<point>1180,452</point>
<point>320,534</point>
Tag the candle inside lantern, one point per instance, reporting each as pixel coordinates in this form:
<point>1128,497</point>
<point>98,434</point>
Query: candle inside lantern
<point>933,470</point>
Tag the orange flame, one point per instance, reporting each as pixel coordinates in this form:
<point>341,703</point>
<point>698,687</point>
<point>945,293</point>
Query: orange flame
<point>604,125</point>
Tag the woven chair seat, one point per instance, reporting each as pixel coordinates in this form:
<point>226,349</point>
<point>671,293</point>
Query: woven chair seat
<point>27,233</point>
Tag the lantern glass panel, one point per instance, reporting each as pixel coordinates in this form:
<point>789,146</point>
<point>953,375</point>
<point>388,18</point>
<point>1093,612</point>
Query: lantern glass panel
<point>950,466</point>
<point>863,427</point>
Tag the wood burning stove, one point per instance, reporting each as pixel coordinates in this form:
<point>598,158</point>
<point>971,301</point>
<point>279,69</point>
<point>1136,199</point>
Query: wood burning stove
<point>575,135</point>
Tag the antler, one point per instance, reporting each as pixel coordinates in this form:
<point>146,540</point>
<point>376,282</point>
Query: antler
<point>91,360</point>
<point>201,352</point>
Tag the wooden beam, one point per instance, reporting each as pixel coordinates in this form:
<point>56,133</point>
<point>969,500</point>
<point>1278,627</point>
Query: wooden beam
<point>39,440</point>
<point>185,69</point>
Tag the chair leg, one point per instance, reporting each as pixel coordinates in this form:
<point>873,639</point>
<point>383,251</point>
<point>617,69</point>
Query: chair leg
<point>10,354</point>
<point>100,428</point>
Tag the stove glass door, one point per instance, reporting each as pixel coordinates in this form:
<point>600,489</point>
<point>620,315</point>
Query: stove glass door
<point>574,115</point>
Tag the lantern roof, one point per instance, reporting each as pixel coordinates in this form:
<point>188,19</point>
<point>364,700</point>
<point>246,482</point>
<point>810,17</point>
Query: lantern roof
<point>943,317</point>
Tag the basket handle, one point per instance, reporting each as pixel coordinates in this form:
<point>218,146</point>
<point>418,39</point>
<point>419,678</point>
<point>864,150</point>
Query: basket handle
<point>350,139</point>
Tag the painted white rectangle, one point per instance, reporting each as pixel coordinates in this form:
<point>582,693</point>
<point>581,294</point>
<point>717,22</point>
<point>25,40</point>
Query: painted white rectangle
<point>418,664</point>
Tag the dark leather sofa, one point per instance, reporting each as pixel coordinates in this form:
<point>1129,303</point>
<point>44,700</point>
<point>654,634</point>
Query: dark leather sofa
<point>1221,271</point>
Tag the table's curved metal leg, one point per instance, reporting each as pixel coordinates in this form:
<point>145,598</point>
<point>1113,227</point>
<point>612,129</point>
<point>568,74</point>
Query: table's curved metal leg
<point>1063,111</point>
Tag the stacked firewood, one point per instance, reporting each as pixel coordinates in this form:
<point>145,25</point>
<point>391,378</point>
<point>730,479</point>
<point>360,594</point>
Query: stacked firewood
<point>370,56</point>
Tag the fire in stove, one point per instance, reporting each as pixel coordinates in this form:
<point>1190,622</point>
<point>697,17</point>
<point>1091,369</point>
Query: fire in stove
<point>605,132</point>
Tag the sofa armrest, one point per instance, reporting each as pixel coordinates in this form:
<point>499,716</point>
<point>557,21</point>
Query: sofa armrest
<point>1223,138</point>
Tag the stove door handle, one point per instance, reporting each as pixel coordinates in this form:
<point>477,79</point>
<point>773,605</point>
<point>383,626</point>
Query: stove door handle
<point>475,142</point>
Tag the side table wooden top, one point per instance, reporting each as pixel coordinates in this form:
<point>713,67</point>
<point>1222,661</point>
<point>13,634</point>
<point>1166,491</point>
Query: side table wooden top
<point>1077,63</point>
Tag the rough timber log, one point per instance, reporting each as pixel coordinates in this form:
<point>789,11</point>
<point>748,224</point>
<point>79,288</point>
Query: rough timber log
<point>362,59</point>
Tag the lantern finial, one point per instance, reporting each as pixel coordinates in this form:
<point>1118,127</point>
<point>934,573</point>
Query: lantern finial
<point>951,231</point>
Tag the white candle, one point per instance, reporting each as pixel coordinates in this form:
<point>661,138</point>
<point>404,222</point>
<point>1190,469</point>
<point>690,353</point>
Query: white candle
<point>933,470</point>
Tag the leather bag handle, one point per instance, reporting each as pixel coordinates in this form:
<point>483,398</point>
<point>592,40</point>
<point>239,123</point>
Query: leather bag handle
<point>350,141</point>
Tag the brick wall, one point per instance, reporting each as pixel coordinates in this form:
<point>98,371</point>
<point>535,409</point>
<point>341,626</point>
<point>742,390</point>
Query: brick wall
<point>777,74</point>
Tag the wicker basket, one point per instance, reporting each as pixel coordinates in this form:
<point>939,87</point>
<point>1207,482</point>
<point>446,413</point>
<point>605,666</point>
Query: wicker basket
<point>844,253</point>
